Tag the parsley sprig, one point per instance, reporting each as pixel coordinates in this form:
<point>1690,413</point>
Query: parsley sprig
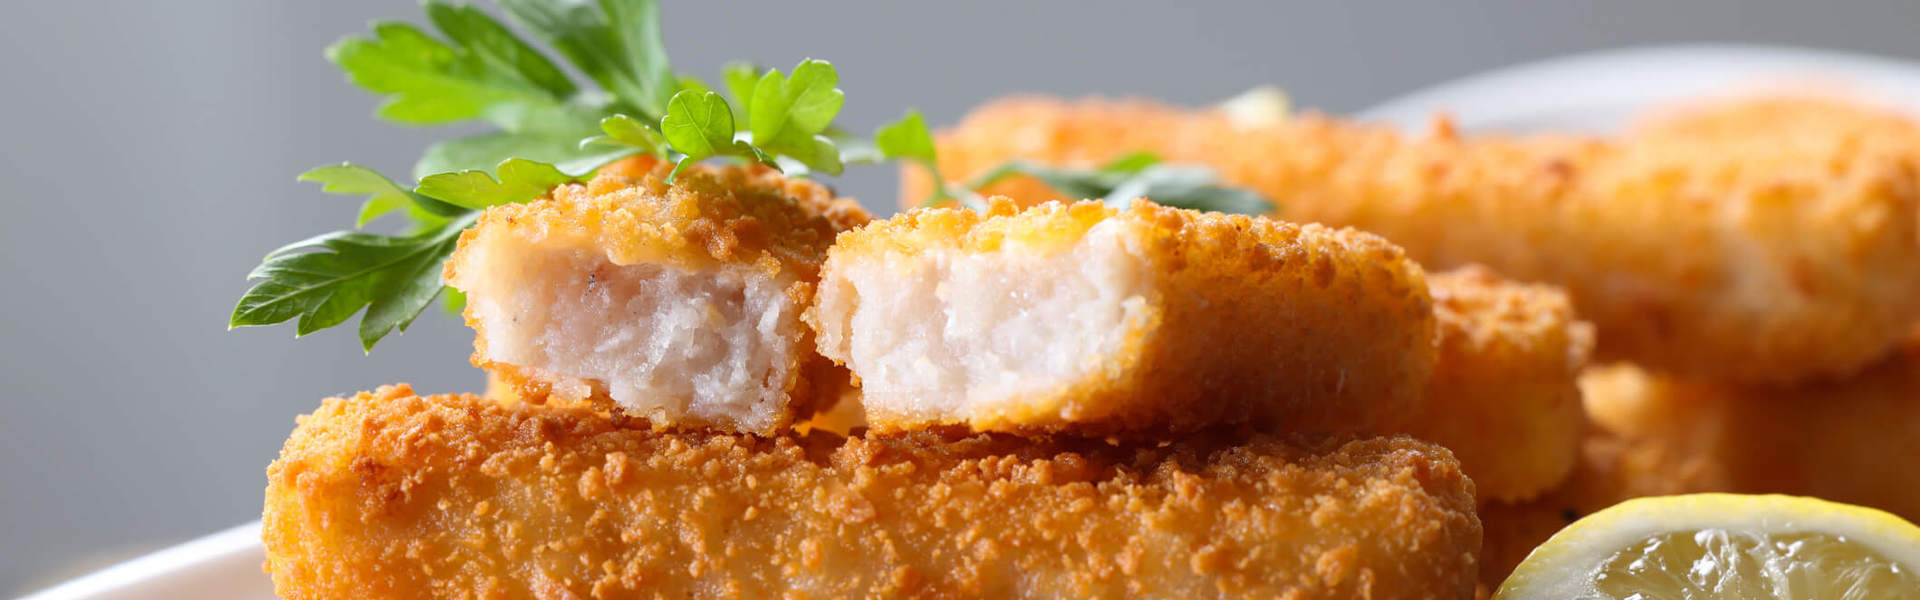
<point>324,280</point>
<point>547,129</point>
<point>1138,175</point>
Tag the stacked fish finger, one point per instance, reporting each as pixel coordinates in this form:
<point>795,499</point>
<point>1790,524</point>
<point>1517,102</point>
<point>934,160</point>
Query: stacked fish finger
<point>720,381</point>
<point>1752,265</point>
<point>1765,241</point>
<point>1071,399</point>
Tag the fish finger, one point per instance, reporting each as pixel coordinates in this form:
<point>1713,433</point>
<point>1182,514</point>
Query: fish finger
<point>393,495</point>
<point>1769,240</point>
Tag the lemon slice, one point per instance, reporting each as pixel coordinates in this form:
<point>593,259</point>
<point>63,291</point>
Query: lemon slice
<point>1724,546</point>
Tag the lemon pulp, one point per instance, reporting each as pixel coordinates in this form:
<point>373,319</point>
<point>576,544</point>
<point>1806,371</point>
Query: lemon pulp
<point>1717,563</point>
<point>1711,546</point>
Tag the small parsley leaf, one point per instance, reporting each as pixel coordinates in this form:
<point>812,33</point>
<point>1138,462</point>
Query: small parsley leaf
<point>453,301</point>
<point>812,96</point>
<point>491,43</point>
<point>324,280</point>
<point>520,180</point>
<point>383,195</point>
<point>805,103</point>
<point>630,131</point>
<point>698,124</point>
<point>637,31</point>
<point>1190,187</point>
<point>908,139</point>
<point>427,82</point>
<point>485,151</point>
<point>626,62</point>
<point>1131,163</point>
<point>1137,175</point>
<point>1071,182</point>
<point>786,115</point>
<point>816,152</point>
<point>767,106</point>
<point>740,78</point>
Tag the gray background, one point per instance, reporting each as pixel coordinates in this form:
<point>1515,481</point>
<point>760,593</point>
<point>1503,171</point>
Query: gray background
<point>150,149</point>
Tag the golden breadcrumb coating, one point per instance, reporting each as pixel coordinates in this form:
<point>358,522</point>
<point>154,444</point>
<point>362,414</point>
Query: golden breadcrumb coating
<point>1231,319</point>
<point>391,495</point>
<point>1504,395</point>
<point>1850,441</point>
<point>1767,240</point>
<point>711,214</point>
<point>747,218</point>
<point>500,391</point>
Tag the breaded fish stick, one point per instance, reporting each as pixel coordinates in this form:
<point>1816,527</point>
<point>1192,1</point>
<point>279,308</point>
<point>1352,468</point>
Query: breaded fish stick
<point>680,303</point>
<point>390,495</point>
<point>1504,395</point>
<point>1852,441</point>
<point>1767,241</point>
<point>1097,320</point>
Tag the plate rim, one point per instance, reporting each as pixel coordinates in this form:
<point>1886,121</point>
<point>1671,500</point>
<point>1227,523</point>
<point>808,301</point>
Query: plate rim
<point>1616,83</point>
<point>223,549</point>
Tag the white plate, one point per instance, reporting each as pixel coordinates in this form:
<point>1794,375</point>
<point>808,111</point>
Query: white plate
<point>1600,91</point>
<point>1593,92</point>
<point>221,566</point>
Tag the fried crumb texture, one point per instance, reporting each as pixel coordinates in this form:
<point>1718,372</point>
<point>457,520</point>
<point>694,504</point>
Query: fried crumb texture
<point>1145,320</point>
<point>1504,394</point>
<point>676,302</point>
<point>1761,239</point>
<point>710,214</point>
<point>392,495</point>
<point>1845,441</point>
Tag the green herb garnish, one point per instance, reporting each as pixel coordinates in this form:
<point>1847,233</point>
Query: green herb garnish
<point>549,130</point>
<point>908,139</point>
<point>323,281</point>
<point>1138,175</point>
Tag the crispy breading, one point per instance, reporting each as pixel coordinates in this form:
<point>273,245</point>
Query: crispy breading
<point>711,214</point>
<point>1769,240</point>
<point>1148,320</point>
<point>391,495</point>
<point>677,302</point>
<point>1504,395</point>
<point>1848,441</point>
<point>500,391</point>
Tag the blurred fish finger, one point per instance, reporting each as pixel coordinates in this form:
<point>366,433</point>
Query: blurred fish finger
<point>1504,395</point>
<point>1767,240</point>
